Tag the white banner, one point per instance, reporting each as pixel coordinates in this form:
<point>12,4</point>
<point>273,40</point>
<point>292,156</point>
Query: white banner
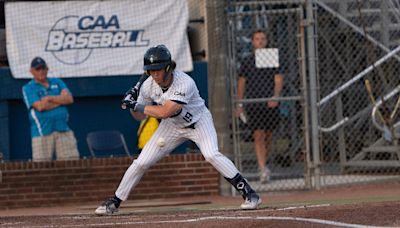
<point>94,38</point>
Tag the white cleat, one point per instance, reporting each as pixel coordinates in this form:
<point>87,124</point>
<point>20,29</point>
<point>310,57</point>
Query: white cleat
<point>252,202</point>
<point>107,208</point>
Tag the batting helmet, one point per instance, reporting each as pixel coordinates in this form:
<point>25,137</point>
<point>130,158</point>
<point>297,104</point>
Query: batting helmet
<point>157,58</point>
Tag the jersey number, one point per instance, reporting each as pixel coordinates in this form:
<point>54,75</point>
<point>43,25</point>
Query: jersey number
<point>188,117</point>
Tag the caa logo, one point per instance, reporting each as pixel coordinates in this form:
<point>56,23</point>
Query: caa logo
<point>72,38</point>
<point>179,93</point>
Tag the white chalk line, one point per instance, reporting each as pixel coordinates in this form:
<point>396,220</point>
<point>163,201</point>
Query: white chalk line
<point>309,220</point>
<point>279,218</point>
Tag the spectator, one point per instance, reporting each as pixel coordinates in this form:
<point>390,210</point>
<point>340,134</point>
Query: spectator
<point>46,100</point>
<point>262,118</point>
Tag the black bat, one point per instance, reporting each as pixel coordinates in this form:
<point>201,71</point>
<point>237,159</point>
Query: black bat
<point>133,92</point>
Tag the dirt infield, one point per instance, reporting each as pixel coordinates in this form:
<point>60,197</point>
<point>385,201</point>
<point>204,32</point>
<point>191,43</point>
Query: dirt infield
<point>355,206</point>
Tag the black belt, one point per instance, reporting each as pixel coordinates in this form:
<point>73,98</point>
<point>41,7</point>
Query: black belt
<point>191,126</point>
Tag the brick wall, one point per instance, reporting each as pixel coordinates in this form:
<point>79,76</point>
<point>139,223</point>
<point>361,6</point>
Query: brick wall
<point>32,184</point>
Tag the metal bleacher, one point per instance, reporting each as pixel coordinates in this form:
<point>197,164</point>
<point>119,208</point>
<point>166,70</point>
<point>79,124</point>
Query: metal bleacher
<point>379,22</point>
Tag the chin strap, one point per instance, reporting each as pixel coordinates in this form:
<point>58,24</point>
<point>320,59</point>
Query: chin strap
<point>166,76</point>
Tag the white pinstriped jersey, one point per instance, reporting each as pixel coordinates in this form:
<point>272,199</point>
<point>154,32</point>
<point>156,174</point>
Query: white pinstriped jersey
<point>184,90</point>
<point>175,131</point>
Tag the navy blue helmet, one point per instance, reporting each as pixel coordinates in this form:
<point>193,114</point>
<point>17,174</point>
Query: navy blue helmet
<point>157,58</point>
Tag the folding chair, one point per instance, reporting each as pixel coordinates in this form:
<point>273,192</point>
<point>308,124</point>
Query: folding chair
<point>109,140</point>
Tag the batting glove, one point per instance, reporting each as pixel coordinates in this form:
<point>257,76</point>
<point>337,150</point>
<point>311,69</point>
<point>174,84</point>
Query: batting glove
<point>133,92</point>
<point>128,102</point>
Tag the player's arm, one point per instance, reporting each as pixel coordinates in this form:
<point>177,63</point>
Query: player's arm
<point>138,115</point>
<point>168,109</point>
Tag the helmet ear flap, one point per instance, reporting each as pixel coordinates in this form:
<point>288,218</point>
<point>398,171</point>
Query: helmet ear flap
<point>168,68</point>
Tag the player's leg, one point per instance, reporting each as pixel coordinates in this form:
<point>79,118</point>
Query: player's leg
<point>66,148</point>
<point>150,154</point>
<point>205,137</point>
<point>42,148</point>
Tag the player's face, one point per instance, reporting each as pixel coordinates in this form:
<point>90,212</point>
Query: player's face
<point>158,77</point>
<point>40,74</point>
<point>259,40</point>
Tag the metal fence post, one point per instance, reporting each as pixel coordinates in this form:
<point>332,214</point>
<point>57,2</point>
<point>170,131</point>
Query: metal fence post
<point>312,71</point>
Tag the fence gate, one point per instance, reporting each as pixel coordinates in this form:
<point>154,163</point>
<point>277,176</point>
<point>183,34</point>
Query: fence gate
<point>282,22</point>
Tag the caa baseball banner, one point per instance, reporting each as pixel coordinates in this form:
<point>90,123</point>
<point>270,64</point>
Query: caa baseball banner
<point>94,38</point>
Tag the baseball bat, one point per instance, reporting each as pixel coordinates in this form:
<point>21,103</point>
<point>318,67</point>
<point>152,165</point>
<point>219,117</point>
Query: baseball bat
<point>133,92</point>
<point>371,96</point>
<point>396,107</point>
<point>369,90</point>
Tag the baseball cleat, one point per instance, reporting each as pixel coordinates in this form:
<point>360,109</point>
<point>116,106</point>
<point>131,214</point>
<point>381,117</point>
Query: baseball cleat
<point>108,207</point>
<point>252,202</point>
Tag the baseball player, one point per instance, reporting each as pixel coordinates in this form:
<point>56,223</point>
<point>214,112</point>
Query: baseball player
<point>184,117</point>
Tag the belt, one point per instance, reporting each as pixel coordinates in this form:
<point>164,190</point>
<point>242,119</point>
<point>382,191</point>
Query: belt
<point>191,126</point>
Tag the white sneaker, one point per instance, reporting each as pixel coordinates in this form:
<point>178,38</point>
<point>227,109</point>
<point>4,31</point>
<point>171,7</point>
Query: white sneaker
<point>251,202</point>
<point>265,176</point>
<point>108,207</point>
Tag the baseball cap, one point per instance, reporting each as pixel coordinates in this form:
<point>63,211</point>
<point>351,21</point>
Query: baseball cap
<point>38,62</point>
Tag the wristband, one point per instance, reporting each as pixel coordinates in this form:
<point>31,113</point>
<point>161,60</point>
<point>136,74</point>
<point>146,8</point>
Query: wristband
<point>139,108</point>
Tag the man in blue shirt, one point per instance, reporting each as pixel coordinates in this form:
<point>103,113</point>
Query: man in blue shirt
<point>46,100</point>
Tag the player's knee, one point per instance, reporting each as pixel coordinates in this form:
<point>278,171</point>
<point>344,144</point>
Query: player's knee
<point>142,166</point>
<point>212,158</point>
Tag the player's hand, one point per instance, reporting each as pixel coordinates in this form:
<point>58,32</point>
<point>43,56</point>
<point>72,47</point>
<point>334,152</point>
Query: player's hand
<point>133,92</point>
<point>128,103</point>
<point>130,98</point>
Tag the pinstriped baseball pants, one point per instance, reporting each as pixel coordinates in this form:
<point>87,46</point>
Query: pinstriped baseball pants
<point>205,137</point>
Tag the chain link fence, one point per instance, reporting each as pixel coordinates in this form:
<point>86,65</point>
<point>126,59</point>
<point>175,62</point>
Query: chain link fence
<point>356,65</point>
<point>266,59</point>
<point>356,68</point>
